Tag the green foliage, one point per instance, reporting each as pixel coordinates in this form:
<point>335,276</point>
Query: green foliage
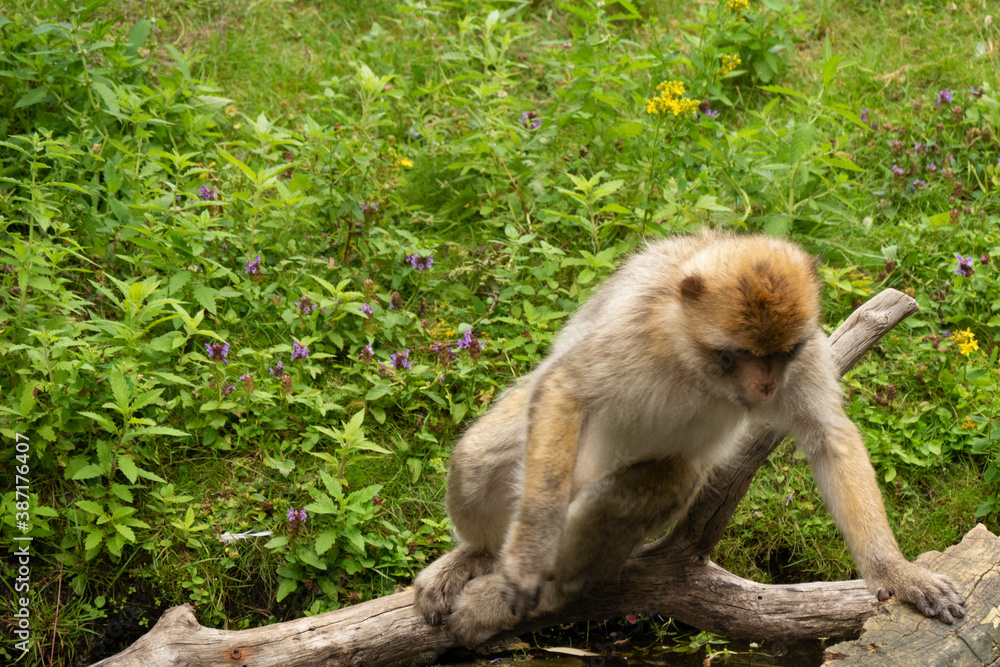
<point>276,270</point>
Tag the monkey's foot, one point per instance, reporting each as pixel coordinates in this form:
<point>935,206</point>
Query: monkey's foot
<point>479,613</point>
<point>441,582</point>
<point>935,595</point>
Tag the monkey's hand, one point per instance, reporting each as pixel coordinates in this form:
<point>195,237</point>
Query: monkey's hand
<point>479,612</point>
<point>935,595</point>
<point>440,583</point>
<point>521,585</point>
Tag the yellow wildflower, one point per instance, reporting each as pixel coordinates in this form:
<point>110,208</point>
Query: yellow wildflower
<point>969,423</point>
<point>966,341</point>
<point>671,100</point>
<point>729,63</point>
<point>738,6</point>
<point>406,162</point>
<point>231,111</point>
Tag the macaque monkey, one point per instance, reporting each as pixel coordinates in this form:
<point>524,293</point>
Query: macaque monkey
<point>651,381</point>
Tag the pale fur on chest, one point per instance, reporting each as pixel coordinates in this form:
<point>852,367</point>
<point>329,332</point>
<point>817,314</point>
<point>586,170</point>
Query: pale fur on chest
<point>691,426</point>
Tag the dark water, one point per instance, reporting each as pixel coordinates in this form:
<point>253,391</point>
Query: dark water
<point>643,645</point>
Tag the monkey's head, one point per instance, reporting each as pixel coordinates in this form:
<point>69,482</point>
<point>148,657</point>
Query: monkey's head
<point>750,314</point>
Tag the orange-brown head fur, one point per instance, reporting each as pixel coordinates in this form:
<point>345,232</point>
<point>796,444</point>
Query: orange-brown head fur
<point>759,295</point>
<point>750,302</point>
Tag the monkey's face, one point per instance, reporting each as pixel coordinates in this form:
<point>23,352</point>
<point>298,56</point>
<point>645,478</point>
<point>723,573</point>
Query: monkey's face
<point>748,319</point>
<point>747,378</point>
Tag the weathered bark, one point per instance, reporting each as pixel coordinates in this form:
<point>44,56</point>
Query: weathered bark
<point>898,637</point>
<point>672,577</point>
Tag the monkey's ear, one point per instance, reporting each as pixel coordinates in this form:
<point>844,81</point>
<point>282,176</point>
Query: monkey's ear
<point>692,287</point>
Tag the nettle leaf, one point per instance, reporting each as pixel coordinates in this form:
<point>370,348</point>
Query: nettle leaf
<point>88,472</point>
<point>205,296</point>
<point>94,539</point>
<point>309,557</point>
<point>119,387</point>
<point>323,504</point>
<point>33,96</point>
<point>138,36</point>
<point>128,468</point>
<point>122,492</point>
<point>125,532</point>
<point>279,541</point>
<point>101,420</point>
<point>355,541</point>
<point>285,588</point>
<point>326,540</point>
<point>90,507</point>
<point>178,281</point>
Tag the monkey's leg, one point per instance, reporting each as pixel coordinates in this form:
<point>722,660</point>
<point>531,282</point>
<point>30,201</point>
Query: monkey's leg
<point>614,515</point>
<point>607,521</point>
<point>482,491</point>
<point>847,482</point>
<point>528,557</point>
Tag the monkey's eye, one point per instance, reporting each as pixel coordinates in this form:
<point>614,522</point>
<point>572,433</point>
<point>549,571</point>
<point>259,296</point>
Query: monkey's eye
<point>726,359</point>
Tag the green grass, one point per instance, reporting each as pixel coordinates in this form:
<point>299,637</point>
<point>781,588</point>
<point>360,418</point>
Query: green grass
<point>301,116</point>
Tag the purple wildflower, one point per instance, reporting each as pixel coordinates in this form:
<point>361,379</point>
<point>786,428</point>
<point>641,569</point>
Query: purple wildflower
<point>227,389</point>
<point>248,383</point>
<point>444,352</point>
<point>984,259</point>
<point>253,267</point>
<point>286,384</point>
<point>218,352</point>
<point>470,343</point>
<point>711,113</point>
<point>367,353</point>
<point>396,301</point>
<point>943,97</point>
<point>530,120</point>
<point>377,500</point>
<point>365,208</point>
<point>295,520</point>
<point>306,306</point>
<point>401,360</point>
<point>277,371</point>
<point>367,309</point>
<point>224,245</point>
<point>299,351</point>
<point>864,115</point>
<point>207,194</point>
<point>918,184</point>
<point>931,167</point>
<point>964,266</point>
<point>919,147</point>
<point>419,264</point>
<point>897,170</point>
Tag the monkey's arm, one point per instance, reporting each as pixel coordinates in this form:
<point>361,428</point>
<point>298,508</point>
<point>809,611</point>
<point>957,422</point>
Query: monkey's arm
<point>847,482</point>
<point>528,559</point>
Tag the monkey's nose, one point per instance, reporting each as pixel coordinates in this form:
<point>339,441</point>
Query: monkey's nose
<point>766,389</point>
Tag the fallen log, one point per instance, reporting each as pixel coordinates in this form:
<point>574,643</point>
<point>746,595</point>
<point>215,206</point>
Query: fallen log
<point>897,636</point>
<point>671,577</point>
